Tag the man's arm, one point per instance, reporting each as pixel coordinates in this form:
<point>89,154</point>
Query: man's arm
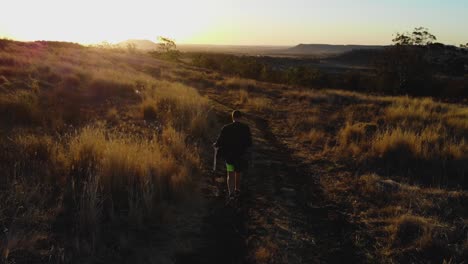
<point>220,140</point>
<point>249,138</point>
<point>250,154</point>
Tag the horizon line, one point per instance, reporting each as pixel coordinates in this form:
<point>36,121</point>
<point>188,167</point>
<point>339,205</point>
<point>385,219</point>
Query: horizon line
<point>199,44</point>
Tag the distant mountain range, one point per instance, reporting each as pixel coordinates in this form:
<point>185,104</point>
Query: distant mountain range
<point>301,49</point>
<point>305,49</point>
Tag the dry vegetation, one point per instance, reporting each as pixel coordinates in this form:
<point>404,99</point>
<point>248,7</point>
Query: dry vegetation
<point>398,164</point>
<point>94,141</point>
<point>256,103</point>
<point>91,142</point>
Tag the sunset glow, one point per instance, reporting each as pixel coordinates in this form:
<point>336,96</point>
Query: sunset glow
<point>245,22</point>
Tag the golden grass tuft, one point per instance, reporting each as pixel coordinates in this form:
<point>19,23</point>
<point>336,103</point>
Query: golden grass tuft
<point>396,146</point>
<point>238,83</point>
<point>20,108</point>
<point>259,103</point>
<point>409,230</point>
<point>314,137</point>
<point>243,96</point>
<point>353,138</point>
<point>112,115</point>
<point>248,100</point>
<point>177,105</point>
<point>148,109</point>
<point>41,158</point>
<point>114,173</point>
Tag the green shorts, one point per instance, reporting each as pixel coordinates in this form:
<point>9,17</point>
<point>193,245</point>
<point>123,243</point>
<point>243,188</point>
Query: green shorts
<point>229,167</point>
<point>239,165</point>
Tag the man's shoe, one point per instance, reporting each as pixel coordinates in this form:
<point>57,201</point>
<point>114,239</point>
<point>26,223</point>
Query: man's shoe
<point>230,198</point>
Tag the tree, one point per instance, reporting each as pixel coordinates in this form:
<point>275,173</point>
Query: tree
<point>419,37</point>
<point>405,67</point>
<point>131,48</point>
<point>166,44</point>
<point>168,48</point>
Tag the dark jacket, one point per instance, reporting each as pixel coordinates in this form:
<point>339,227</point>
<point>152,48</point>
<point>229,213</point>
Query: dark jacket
<point>233,141</point>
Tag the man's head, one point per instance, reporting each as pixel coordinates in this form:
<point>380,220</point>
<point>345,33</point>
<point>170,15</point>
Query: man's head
<point>236,115</point>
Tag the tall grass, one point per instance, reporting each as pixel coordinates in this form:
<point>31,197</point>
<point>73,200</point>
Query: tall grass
<point>408,203</point>
<point>133,171</point>
<point>177,105</point>
<point>255,102</point>
<point>402,222</point>
<point>20,108</point>
<point>71,126</point>
<point>414,137</point>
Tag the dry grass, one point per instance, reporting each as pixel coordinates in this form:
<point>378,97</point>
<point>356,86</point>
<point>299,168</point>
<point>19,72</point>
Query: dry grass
<point>405,222</point>
<point>109,173</point>
<point>69,129</point>
<point>133,171</point>
<point>251,101</point>
<point>314,137</point>
<point>259,103</point>
<point>412,138</point>
<point>40,159</point>
<point>408,205</point>
<point>177,105</point>
<point>112,115</point>
<point>238,84</point>
<point>409,230</point>
<point>20,108</point>
<point>243,97</point>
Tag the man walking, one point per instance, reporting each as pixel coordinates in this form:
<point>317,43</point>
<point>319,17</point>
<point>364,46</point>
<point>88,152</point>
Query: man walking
<point>232,144</point>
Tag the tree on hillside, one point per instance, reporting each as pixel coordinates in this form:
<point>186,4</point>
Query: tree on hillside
<point>419,37</point>
<point>131,48</point>
<point>405,67</point>
<point>166,44</point>
<point>168,48</point>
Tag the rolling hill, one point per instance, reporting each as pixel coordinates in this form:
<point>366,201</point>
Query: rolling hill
<point>308,49</point>
<point>142,44</point>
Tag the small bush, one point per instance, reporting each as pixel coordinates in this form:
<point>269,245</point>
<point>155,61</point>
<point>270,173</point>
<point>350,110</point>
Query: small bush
<point>259,103</point>
<point>314,137</point>
<point>354,138</point>
<point>351,133</point>
<point>397,147</point>
<point>149,111</point>
<point>21,108</point>
<point>102,89</point>
<point>112,115</point>
<point>407,230</point>
<point>178,105</point>
<point>238,84</point>
<point>243,96</point>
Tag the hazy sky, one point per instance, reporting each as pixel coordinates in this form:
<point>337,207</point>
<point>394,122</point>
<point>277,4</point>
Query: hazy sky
<point>268,22</point>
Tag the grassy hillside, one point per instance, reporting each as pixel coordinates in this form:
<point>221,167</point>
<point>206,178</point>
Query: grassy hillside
<point>396,164</point>
<point>96,149</point>
<point>103,150</point>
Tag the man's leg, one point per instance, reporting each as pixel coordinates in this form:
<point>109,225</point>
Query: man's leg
<point>231,182</point>
<point>238,180</point>
<point>230,178</point>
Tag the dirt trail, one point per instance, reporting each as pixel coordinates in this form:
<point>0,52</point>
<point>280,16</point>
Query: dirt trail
<point>279,219</point>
